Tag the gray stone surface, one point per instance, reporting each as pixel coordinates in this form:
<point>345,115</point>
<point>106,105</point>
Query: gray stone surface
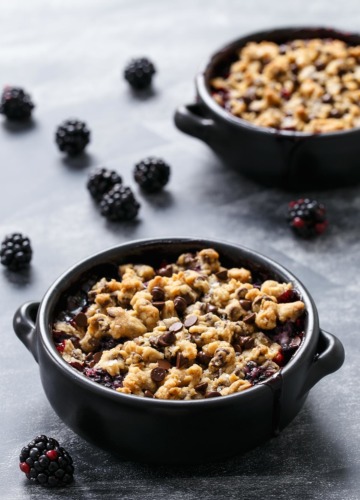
<point>70,55</point>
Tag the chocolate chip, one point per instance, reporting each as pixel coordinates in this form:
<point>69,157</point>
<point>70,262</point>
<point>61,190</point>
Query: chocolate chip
<point>258,299</point>
<point>159,305</point>
<point>212,394</point>
<point>81,320</point>
<point>158,294</point>
<point>97,356</point>
<point>166,339</point>
<point>158,374</point>
<point>320,66</point>
<point>212,309</point>
<point>164,364</point>
<point>176,327</point>
<point>249,96</point>
<point>237,348</point>
<point>203,358</point>
<point>154,342</point>
<point>190,321</point>
<point>180,304</point>
<point>201,387</point>
<point>247,342</point>
<point>245,304</point>
<point>336,113</point>
<point>148,394</point>
<point>294,68</point>
<point>181,360</point>
<point>327,99</point>
<point>222,275</point>
<point>188,298</point>
<point>241,292</point>
<point>250,318</point>
<point>166,271</point>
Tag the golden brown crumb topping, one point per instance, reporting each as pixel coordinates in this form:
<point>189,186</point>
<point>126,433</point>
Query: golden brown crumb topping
<point>304,85</point>
<point>190,330</point>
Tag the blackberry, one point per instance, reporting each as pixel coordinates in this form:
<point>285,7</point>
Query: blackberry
<point>139,73</point>
<point>255,374</point>
<point>119,204</point>
<point>72,136</point>
<point>306,217</point>
<point>152,174</point>
<point>16,104</point>
<point>16,251</point>
<point>103,378</point>
<point>46,463</point>
<point>101,181</point>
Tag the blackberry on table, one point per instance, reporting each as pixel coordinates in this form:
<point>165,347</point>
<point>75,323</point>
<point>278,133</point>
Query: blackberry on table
<point>16,251</point>
<point>47,463</point>
<point>72,136</point>
<point>16,104</point>
<point>152,174</point>
<point>307,217</point>
<point>139,73</point>
<point>101,181</point>
<point>119,204</point>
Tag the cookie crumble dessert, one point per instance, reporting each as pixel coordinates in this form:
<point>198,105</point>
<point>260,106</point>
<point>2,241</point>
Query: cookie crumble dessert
<point>189,330</point>
<point>302,85</point>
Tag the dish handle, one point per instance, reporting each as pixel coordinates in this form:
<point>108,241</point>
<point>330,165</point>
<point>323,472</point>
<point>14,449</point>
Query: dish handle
<point>329,357</point>
<point>24,324</point>
<point>191,120</point>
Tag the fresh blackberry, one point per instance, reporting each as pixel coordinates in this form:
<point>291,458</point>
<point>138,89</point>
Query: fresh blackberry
<point>152,174</point>
<point>72,136</point>
<point>103,378</point>
<point>16,104</point>
<point>307,217</point>
<point>16,251</point>
<point>46,463</point>
<point>139,73</point>
<point>101,181</point>
<point>119,204</point>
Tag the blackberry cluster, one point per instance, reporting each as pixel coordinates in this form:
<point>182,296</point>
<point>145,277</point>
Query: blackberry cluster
<point>101,181</point>
<point>119,204</point>
<point>116,202</point>
<point>72,136</point>
<point>16,251</point>
<point>102,377</point>
<point>307,218</point>
<point>46,463</point>
<point>256,374</point>
<point>16,104</point>
<point>139,73</point>
<point>152,174</point>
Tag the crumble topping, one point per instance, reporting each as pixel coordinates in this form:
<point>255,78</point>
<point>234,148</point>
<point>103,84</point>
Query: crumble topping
<point>189,330</point>
<point>306,85</point>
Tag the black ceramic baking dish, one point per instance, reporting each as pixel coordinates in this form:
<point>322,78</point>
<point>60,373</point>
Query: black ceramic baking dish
<point>175,432</point>
<point>288,159</point>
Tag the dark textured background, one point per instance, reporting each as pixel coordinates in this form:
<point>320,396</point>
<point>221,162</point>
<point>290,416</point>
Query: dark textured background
<point>70,55</point>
